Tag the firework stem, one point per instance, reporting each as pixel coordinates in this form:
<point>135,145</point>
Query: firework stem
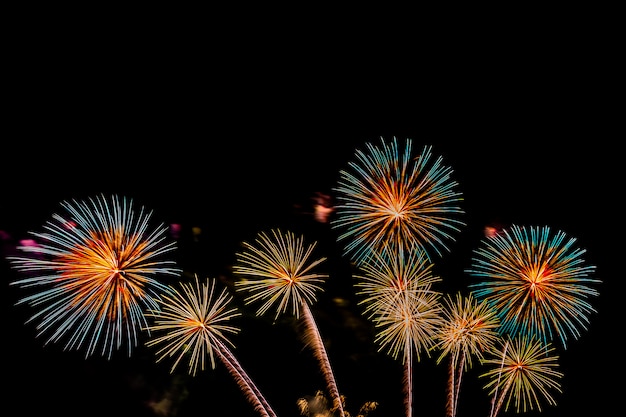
<point>251,392</point>
<point>315,341</point>
<point>457,385</point>
<point>408,382</point>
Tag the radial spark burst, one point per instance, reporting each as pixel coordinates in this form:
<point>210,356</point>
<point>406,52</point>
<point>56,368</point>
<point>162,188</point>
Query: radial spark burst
<point>386,196</point>
<point>523,370</point>
<point>405,326</point>
<point>276,270</point>
<point>95,271</point>
<point>194,320</point>
<point>390,271</point>
<point>536,281</point>
<point>409,322</point>
<point>469,329</point>
<point>194,323</point>
<point>395,284</point>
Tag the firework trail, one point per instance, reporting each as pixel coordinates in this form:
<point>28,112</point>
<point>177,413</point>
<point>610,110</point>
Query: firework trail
<point>195,325</point>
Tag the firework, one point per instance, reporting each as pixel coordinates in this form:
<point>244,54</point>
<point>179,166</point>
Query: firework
<point>277,271</point>
<point>536,281</point>
<point>390,271</point>
<point>523,370</point>
<point>193,320</point>
<point>469,329</point>
<point>196,324</point>
<point>95,270</point>
<point>409,322</point>
<point>388,197</point>
<point>395,284</point>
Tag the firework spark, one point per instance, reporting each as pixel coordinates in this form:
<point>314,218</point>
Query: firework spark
<point>195,321</point>
<point>536,281</point>
<point>386,197</point>
<point>395,284</point>
<point>406,325</point>
<point>95,270</point>
<point>523,370</point>
<point>276,270</point>
<point>409,322</point>
<point>390,271</point>
<point>469,329</point>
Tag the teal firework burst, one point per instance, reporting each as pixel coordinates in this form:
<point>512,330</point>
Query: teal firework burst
<point>95,272</point>
<point>388,196</point>
<point>537,281</point>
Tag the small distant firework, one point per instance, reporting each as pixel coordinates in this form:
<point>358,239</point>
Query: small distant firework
<point>524,370</point>
<point>317,406</point>
<point>402,199</point>
<point>95,270</point>
<point>536,281</point>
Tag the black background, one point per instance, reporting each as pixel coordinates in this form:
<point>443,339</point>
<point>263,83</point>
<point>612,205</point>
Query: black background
<point>237,136</point>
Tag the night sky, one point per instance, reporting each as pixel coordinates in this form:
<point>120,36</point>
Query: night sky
<point>237,151</point>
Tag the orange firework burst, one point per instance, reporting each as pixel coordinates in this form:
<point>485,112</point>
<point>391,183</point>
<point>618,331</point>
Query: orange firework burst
<point>95,269</point>
<point>403,199</point>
